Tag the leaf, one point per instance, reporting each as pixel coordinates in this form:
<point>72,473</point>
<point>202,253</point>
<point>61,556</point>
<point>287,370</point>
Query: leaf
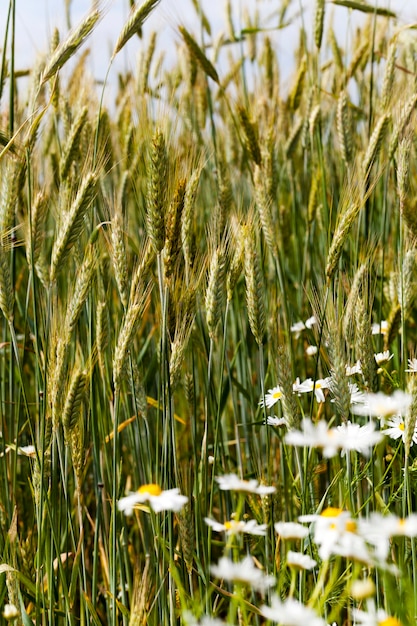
<point>365,8</point>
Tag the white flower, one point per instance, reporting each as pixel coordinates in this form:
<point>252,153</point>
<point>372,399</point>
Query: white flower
<point>362,588</point>
<point>234,527</point>
<point>315,436</point>
<point>311,321</point>
<point>355,369</point>
<point>383,357</point>
<point>158,500</point>
<point>242,572</point>
<point>396,429</point>
<point>380,329</point>
<point>359,438</point>
<point>378,530</point>
<point>291,613</point>
<point>346,437</point>
<point>310,385</point>
<point>311,350</point>
<point>381,405</point>
<point>205,620</point>
<point>230,482</point>
<point>335,532</point>
<point>276,421</point>
<point>373,618</point>
<point>412,366</point>
<point>356,396</point>
<point>10,612</point>
<point>297,560</point>
<point>297,328</point>
<point>27,451</point>
<point>290,530</point>
<point>272,397</point>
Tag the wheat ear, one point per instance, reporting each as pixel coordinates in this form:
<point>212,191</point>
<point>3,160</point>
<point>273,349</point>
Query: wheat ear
<point>134,23</point>
<point>70,45</point>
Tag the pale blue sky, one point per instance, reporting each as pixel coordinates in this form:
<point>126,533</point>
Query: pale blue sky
<point>35,20</point>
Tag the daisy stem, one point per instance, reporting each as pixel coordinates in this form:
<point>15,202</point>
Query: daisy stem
<point>293,582</point>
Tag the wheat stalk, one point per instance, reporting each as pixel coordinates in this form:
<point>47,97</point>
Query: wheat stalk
<point>73,223</point>
<point>155,216</point>
<point>195,50</point>
<point>254,287</point>
<point>134,23</point>
<point>66,49</point>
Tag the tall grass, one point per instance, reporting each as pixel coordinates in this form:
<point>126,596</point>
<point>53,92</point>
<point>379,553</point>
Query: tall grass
<point>156,263</point>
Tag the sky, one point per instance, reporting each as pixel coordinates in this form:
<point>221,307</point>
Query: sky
<point>36,19</point>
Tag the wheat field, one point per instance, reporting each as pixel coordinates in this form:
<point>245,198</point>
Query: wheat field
<point>208,294</point>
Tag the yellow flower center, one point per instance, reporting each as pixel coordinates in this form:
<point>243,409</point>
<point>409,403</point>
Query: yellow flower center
<point>401,426</point>
<point>331,511</point>
<point>276,395</point>
<point>228,525</point>
<point>152,489</point>
<point>350,526</point>
<point>390,621</point>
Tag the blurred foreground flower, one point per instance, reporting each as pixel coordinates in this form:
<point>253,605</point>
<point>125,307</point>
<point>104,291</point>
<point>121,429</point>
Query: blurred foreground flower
<point>381,405</point>
<point>205,620</point>
<point>290,530</point>
<point>291,613</point>
<point>344,438</point>
<point>242,572</point>
<point>158,500</point>
<point>374,617</point>
<point>298,560</point>
<point>230,482</point>
<point>336,533</point>
<point>378,531</point>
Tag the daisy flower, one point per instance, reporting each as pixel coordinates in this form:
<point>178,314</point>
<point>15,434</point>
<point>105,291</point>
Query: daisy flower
<point>356,396</point>
<point>359,438</point>
<point>412,366</point>
<point>271,397</point>
<point>355,369</point>
<point>291,530</point>
<point>273,420</point>
<point>380,329</point>
<point>336,533</point>
<point>374,618</point>
<point>158,500</point>
<point>234,527</point>
<point>291,612</point>
<point>242,572</point>
<point>27,451</point>
<point>378,531</point>
<point>383,357</point>
<point>317,435</point>
<point>297,560</point>
<point>205,620</point>
<point>231,482</point>
<point>396,429</point>
<point>297,328</point>
<point>312,321</point>
<point>311,350</point>
<point>383,406</point>
<point>317,386</point>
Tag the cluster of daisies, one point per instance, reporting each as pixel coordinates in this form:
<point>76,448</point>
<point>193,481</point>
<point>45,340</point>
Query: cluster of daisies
<point>332,532</point>
<point>391,410</point>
